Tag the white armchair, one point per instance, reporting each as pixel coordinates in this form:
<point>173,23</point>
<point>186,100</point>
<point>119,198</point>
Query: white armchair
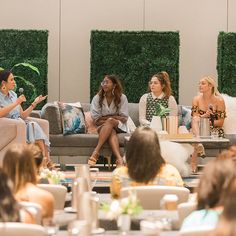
<point>14,131</point>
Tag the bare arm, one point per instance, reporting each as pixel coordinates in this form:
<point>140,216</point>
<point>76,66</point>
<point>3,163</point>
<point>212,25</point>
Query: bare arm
<point>5,110</point>
<point>25,113</point>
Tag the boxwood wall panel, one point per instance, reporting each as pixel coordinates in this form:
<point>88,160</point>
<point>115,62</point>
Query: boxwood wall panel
<point>30,46</point>
<point>226,63</point>
<point>134,57</point>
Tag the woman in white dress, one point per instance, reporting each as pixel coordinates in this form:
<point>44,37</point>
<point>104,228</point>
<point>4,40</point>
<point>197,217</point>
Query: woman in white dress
<point>109,111</point>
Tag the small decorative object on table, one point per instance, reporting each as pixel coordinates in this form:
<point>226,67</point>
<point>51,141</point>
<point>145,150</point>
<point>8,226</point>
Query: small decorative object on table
<point>122,210</point>
<point>53,176</point>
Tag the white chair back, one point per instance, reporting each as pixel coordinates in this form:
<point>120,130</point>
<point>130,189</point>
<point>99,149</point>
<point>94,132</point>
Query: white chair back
<point>184,209</point>
<point>59,193</point>
<point>13,229</point>
<point>196,232</point>
<point>150,196</point>
<point>34,209</point>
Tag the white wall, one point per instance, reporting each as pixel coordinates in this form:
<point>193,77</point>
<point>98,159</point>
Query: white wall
<point>70,21</point>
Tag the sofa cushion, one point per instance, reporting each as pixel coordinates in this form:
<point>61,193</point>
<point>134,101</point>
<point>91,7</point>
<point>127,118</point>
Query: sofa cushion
<point>73,121</point>
<point>51,112</point>
<point>134,113</point>
<point>80,140</point>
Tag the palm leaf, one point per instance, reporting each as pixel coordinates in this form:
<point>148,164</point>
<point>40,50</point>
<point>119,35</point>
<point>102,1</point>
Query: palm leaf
<point>27,65</point>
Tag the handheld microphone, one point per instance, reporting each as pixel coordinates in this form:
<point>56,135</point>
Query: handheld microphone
<point>212,117</point>
<point>21,91</point>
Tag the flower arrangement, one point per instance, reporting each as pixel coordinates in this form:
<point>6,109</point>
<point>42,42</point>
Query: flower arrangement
<point>129,205</point>
<point>161,110</point>
<point>53,176</point>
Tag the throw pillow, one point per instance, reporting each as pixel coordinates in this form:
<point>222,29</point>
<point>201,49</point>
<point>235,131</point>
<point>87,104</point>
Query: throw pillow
<point>186,117</point>
<point>73,120</point>
<point>91,127</point>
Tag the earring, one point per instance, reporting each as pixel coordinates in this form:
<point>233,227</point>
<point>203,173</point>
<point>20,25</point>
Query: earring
<point>113,91</point>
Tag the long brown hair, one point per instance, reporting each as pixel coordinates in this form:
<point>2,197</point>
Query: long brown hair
<point>9,208</point>
<point>164,79</point>
<point>143,155</point>
<point>19,165</point>
<point>118,90</point>
<point>213,183</point>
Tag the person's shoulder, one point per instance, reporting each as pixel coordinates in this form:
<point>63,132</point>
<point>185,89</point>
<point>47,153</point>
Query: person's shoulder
<point>220,99</point>
<point>144,96</point>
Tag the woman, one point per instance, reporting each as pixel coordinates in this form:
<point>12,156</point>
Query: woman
<point>208,104</point>
<point>10,210</point>
<point>109,111</point>
<point>145,165</point>
<point>160,93</point>
<point>216,177</point>
<point>19,164</point>
<point>10,107</point>
<point>227,222</point>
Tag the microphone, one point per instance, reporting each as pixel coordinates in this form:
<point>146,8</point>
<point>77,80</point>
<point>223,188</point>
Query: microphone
<point>212,117</point>
<point>21,91</point>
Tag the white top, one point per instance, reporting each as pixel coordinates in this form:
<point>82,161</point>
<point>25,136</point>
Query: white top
<point>105,110</point>
<point>143,103</point>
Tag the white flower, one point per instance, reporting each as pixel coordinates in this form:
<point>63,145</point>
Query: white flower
<point>53,176</point>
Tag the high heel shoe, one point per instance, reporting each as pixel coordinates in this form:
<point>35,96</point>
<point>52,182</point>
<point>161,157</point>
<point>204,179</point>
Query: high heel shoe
<point>201,151</point>
<point>93,159</point>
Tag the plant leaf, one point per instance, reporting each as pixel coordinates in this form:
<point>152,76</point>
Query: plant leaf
<point>27,65</point>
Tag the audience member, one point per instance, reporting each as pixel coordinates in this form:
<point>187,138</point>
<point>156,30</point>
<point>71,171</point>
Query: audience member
<point>160,93</point>
<point>211,194</point>
<point>145,165</point>
<point>228,154</point>
<point>208,104</point>
<point>10,107</point>
<point>10,210</point>
<point>19,164</point>
<point>109,110</point>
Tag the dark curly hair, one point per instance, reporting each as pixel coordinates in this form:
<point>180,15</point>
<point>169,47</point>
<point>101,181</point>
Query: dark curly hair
<point>118,90</point>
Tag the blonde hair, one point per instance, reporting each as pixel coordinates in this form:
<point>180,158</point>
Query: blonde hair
<point>19,165</point>
<point>211,80</point>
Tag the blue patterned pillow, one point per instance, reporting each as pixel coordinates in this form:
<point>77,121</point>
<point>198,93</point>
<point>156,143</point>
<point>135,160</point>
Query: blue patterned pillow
<point>186,117</point>
<point>73,121</point>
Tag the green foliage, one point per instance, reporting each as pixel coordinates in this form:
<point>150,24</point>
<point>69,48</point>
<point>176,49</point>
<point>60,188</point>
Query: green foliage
<point>226,63</point>
<point>134,57</point>
<point>162,111</point>
<point>30,48</point>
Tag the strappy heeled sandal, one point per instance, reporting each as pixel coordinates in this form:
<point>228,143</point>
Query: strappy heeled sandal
<point>201,151</point>
<point>49,164</point>
<point>93,159</point>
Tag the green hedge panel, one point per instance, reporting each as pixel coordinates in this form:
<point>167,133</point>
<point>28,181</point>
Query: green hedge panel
<point>29,46</point>
<point>226,63</point>
<point>134,57</point>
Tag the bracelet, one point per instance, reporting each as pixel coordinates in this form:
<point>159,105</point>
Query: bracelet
<point>33,105</point>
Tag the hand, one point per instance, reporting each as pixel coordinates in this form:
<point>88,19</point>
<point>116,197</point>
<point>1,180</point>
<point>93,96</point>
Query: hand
<point>207,114</point>
<point>21,99</point>
<point>40,98</point>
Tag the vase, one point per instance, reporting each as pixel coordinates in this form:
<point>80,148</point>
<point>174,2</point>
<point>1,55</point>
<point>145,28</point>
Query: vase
<point>123,223</point>
<point>156,123</point>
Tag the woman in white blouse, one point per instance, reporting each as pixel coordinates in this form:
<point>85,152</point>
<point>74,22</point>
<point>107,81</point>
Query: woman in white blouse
<point>160,93</point>
<point>109,111</point>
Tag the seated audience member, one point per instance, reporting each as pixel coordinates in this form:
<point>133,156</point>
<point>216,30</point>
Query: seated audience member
<point>38,159</point>
<point>211,194</point>
<point>145,165</point>
<point>10,210</point>
<point>227,222</point>
<point>19,164</point>
<point>228,154</point>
